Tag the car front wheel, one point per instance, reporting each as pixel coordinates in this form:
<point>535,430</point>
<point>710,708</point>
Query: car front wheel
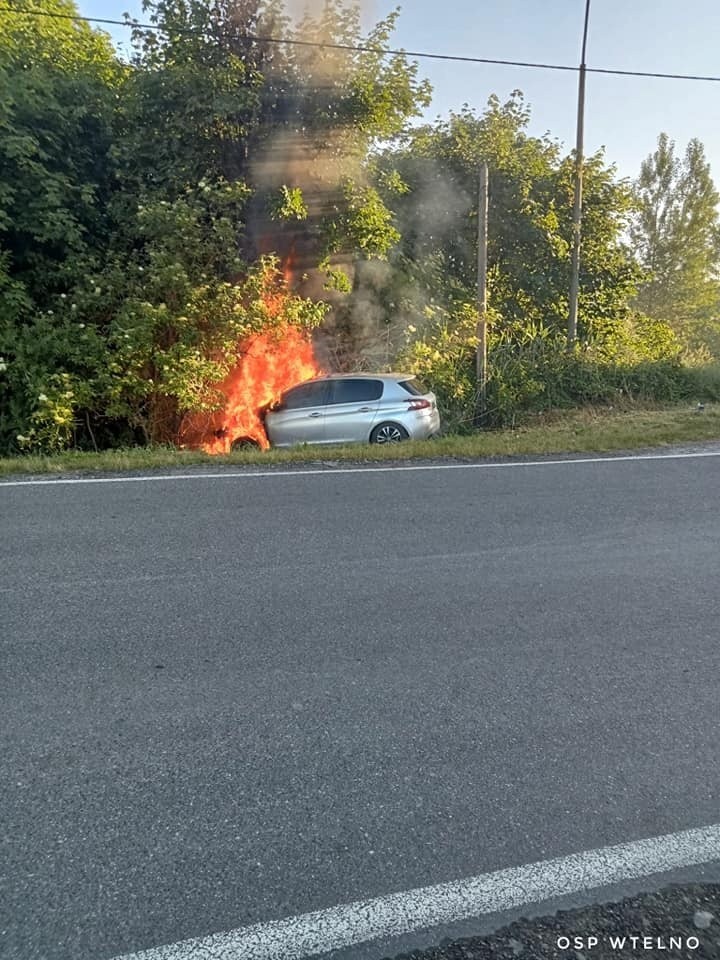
<point>244,443</point>
<point>388,433</point>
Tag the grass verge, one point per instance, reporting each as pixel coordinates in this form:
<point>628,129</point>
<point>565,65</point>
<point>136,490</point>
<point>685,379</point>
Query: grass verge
<point>577,431</point>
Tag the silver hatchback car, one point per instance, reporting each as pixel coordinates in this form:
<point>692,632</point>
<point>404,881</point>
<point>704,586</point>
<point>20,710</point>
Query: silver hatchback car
<point>353,408</point>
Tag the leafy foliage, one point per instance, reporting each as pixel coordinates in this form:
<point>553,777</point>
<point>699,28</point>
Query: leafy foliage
<point>294,122</point>
<point>144,206</point>
<point>676,234</point>
<point>141,204</point>
<point>622,353</point>
<point>530,214</point>
<point>531,370</point>
<point>58,83</point>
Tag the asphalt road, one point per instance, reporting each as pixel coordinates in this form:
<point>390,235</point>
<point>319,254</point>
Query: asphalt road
<point>230,701</point>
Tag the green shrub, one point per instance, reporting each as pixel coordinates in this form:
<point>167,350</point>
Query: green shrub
<point>444,357</point>
<point>531,370</point>
<point>149,362</point>
<point>704,381</point>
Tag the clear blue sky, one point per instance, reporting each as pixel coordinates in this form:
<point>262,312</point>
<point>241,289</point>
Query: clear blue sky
<point>624,114</point>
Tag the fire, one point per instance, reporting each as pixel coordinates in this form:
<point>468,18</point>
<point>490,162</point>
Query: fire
<point>268,364</point>
<point>289,266</point>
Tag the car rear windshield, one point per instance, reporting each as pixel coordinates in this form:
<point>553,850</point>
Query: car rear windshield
<point>414,387</point>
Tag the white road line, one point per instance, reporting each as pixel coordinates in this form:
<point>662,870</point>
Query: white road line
<point>333,471</point>
<point>402,913</point>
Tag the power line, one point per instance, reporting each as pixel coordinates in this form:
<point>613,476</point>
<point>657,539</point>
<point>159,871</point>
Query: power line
<point>362,48</point>
<point>660,76</point>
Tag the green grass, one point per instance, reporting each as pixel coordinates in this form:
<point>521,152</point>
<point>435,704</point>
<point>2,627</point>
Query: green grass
<point>576,431</point>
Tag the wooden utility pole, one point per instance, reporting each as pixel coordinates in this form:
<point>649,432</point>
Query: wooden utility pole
<point>577,205</point>
<point>482,292</point>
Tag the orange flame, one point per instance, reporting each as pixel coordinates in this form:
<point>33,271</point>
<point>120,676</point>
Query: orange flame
<point>268,364</point>
<point>288,266</point>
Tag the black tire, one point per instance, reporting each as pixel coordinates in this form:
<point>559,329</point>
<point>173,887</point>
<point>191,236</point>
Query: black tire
<point>244,443</point>
<point>388,433</point>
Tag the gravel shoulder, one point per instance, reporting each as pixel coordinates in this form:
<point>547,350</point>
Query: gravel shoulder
<point>677,922</point>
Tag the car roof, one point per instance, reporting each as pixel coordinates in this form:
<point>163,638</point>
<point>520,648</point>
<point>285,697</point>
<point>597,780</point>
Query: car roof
<point>365,376</point>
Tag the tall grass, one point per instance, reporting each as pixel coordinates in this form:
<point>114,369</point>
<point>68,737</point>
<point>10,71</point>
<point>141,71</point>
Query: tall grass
<point>591,429</point>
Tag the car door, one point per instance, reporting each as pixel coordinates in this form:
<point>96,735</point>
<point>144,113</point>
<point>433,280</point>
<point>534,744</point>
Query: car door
<point>300,415</point>
<point>351,408</point>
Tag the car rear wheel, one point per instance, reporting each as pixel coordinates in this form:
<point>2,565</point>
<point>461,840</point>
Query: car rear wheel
<point>388,433</point>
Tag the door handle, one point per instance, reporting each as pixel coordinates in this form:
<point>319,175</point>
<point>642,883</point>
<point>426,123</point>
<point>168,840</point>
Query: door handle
<point>315,414</point>
<point>364,410</point>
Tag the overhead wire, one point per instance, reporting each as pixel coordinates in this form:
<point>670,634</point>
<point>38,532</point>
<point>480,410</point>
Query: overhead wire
<point>365,48</point>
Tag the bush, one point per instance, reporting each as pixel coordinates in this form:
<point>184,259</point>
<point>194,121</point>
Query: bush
<point>143,365</point>
<point>444,357</point>
<point>704,381</point>
<point>531,370</point>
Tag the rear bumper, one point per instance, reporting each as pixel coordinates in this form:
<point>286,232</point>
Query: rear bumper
<point>423,425</point>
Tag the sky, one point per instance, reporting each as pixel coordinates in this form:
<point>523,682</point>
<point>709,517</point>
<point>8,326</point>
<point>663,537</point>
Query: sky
<point>623,114</point>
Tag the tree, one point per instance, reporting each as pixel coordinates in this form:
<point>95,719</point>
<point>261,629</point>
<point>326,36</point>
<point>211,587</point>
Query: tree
<point>531,189</point>
<point>676,235</point>
<point>143,198</point>
<point>295,123</point>
<point>434,279</point>
<point>58,80</point>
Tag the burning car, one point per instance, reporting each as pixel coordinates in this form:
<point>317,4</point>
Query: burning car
<point>350,408</point>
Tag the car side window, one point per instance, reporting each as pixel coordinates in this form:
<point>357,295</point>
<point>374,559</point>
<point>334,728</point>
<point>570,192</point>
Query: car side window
<point>306,395</point>
<point>355,391</point>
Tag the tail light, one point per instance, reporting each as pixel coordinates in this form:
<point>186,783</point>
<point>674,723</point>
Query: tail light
<point>419,403</point>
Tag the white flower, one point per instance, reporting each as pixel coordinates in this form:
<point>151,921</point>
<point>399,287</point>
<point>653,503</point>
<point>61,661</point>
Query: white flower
<point>63,296</point>
<point>73,306</point>
<point>141,269</point>
<point>42,398</point>
<point>49,313</point>
<point>81,326</point>
<point>3,366</point>
<point>98,291</point>
<point>20,438</point>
